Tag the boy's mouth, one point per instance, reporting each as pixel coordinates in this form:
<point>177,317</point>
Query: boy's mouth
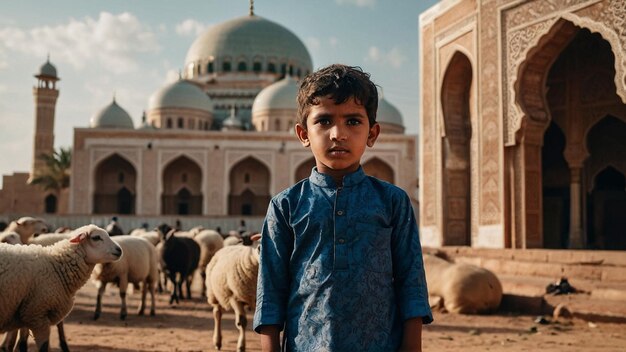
<point>338,150</point>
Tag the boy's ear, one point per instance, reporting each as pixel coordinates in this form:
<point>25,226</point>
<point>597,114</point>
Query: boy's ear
<point>303,135</point>
<point>373,134</point>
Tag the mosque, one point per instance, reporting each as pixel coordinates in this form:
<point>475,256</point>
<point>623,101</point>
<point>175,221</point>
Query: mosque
<point>218,142</point>
<point>523,124</point>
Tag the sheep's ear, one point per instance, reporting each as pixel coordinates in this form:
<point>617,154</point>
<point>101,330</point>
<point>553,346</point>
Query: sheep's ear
<point>78,238</point>
<point>255,237</point>
<point>170,234</point>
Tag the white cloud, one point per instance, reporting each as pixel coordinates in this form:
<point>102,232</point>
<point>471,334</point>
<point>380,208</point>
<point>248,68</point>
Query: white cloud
<point>333,42</point>
<point>313,43</point>
<point>359,3</point>
<point>190,27</point>
<point>395,57</point>
<point>110,41</point>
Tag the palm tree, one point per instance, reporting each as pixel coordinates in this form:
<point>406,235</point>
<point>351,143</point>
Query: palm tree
<point>56,174</point>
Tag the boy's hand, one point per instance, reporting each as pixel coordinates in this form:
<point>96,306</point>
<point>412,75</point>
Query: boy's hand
<point>412,337</point>
<point>270,338</point>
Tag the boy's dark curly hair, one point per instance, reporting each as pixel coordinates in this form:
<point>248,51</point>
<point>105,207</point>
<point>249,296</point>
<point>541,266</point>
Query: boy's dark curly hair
<point>340,83</point>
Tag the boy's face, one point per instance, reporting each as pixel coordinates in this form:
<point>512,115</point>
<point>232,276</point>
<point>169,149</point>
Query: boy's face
<point>337,135</point>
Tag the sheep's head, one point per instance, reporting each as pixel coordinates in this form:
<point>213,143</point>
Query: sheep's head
<point>98,245</point>
<point>10,238</point>
<point>28,226</point>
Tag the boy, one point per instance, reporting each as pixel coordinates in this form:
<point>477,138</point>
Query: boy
<point>341,265</point>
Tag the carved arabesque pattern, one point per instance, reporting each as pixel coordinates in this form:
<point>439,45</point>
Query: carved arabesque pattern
<point>605,17</point>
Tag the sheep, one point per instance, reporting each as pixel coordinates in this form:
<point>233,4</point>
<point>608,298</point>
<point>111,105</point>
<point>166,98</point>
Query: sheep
<point>179,259</point>
<point>139,264</point>
<point>10,238</point>
<point>231,280</point>
<point>49,239</point>
<point>210,241</point>
<point>9,340</point>
<point>462,288</point>
<point>38,283</point>
<point>26,227</point>
<point>152,236</point>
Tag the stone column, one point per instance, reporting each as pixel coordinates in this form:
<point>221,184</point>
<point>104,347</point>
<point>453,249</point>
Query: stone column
<point>576,234</point>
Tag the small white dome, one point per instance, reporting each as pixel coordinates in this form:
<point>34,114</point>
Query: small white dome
<point>181,94</point>
<point>278,95</point>
<point>388,113</point>
<point>112,116</point>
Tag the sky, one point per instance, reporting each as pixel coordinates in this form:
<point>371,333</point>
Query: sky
<point>132,48</point>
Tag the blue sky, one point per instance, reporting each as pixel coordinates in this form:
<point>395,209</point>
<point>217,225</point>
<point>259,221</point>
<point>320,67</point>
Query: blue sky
<point>132,48</point>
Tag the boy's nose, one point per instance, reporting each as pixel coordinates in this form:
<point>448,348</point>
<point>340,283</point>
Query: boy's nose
<point>338,133</point>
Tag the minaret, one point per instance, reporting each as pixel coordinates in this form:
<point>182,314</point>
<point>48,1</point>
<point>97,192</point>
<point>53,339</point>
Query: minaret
<point>45,94</point>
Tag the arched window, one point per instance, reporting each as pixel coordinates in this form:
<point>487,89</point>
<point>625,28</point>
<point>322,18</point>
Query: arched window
<point>169,123</point>
<point>283,69</point>
<point>226,67</point>
<point>192,123</point>
<point>210,67</point>
<point>271,67</point>
<point>242,67</point>
<point>256,67</point>
<point>181,122</point>
<point>51,204</point>
<point>277,125</point>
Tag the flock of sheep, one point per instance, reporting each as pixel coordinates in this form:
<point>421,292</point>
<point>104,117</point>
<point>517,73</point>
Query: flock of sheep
<point>40,273</point>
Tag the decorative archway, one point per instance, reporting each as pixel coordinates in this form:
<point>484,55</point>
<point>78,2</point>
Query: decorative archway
<point>456,173</point>
<point>115,177</point>
<point>379,169</point>
<point>556,188</point>
<point>606,198</point>
<point>249,188</point>
<point>182,187</point>
<point>304,169</point>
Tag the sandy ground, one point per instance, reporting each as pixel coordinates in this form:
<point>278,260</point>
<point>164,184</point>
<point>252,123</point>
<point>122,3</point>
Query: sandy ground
<point>188,327</point>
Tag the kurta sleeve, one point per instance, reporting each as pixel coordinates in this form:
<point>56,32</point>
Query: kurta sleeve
<point>408,265</point>
<point>273,280</point>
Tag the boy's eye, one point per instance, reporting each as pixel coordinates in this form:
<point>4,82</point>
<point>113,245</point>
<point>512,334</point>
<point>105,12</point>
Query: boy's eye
<point>323,122</point>
<point>354,122</point>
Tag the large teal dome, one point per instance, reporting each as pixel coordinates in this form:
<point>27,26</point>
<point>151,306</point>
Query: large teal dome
<point>112,116</point>
<point>252,40</point>
<point>181,94</point>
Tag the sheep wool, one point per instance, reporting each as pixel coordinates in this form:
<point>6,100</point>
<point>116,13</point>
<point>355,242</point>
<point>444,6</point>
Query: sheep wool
<point>38,283</point>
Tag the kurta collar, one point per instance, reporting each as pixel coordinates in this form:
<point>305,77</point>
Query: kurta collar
<point>325,180</point>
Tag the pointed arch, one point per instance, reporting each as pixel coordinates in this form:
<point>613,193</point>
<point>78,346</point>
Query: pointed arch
<point>249,187</point>
<point>182,187</point>
<point>380,169</point>
<point>50,204</point>
<point>457,134</point>
<point>304,169</point>
<point>115,177</point>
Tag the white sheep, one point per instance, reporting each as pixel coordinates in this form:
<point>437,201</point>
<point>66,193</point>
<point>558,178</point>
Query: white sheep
<point>231,279</point>
<point>152,236</point>
<point>138,265</point>
<point>210,242</point>
<point>10,237</point>
<point>10,338</point>
<point>462,288</point>
<point>49,239</point>
<point>26,227</point>
<point>38,284</point>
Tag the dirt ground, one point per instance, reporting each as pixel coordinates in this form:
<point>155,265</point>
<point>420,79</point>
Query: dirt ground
<point>188,327</point>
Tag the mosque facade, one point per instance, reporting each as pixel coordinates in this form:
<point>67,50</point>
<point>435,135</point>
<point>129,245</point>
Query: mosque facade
<point>523,124</point>
<point>217,142</point>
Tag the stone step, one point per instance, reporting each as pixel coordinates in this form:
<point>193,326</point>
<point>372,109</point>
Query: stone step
<point>527,295</point>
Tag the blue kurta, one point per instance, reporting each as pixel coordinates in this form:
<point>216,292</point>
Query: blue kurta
<point>341,267</point>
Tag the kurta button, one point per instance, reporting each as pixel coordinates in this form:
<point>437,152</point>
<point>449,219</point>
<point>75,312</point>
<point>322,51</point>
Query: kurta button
<point>339,212</point>
<point>342,241</point>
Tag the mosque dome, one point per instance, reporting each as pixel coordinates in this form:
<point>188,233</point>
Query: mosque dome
<point>112,116</point>
<point>279,95</point>
<point>181,94</point>
<point>47,70</point>
<point>250,40</point>
<point>232,123</point>
<point>388,113</point>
